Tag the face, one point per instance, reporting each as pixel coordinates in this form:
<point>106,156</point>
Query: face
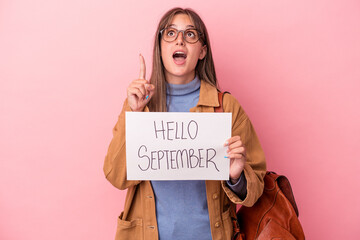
<point>180,57</point>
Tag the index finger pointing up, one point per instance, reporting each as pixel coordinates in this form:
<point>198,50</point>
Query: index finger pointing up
<point>142,67</point>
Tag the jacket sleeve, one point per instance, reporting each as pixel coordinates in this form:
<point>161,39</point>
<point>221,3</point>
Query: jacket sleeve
<point>255,165</point>
<point>115,160</point>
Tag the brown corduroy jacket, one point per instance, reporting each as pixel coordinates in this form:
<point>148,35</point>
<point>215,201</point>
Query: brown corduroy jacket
<point>138,220</point>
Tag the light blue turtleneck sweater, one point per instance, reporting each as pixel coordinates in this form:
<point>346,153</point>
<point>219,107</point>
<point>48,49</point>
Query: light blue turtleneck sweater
<point>181,206</point>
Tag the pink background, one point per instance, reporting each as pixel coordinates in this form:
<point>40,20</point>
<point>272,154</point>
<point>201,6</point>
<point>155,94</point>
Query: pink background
<point>64,69</point>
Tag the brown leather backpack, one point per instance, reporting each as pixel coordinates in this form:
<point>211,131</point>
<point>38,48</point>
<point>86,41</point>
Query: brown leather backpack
<point>274,215</point>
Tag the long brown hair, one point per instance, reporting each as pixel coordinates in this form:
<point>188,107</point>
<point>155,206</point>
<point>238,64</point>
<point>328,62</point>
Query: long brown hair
<point>204,69</point>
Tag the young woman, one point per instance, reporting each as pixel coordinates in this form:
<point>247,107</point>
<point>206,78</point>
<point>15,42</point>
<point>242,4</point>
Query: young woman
<point>183,79</point>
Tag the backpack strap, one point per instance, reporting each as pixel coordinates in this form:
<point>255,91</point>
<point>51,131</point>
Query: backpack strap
<point>221,98</point>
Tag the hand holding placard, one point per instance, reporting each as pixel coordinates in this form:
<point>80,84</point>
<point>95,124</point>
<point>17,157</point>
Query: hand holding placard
<point>140,90</point>
<point>237,154</point>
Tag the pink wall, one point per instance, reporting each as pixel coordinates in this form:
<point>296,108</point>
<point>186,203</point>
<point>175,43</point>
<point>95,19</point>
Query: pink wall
<point>64,69</point>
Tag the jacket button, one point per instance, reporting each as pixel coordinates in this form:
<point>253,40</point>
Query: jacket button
<point>217,224</point>
<point>215,196</point>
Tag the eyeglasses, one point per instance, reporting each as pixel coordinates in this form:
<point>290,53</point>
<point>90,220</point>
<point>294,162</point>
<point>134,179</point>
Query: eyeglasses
<point>190,35</point>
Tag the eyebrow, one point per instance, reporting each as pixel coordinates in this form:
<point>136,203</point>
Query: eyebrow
<point>187,26</point>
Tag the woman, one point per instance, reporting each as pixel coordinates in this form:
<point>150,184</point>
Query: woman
<point>183,79</point>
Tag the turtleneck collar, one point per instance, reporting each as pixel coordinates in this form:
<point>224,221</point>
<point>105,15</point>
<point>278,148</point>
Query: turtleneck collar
<point>183,89</point>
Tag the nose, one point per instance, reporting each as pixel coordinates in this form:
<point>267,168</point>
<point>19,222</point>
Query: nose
<point>180,39</point>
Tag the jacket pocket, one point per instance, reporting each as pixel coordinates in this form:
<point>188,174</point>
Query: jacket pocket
<point>228,226</point>
<point>129,230</point>
<point>274,231</point>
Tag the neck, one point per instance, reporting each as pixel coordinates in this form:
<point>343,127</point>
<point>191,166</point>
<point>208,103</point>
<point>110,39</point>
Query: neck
<point>173,79</point>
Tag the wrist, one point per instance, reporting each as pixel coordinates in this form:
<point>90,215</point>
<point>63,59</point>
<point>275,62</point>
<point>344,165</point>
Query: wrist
<point>234,180</point>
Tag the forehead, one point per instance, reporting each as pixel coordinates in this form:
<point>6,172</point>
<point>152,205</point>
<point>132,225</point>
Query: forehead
<point>181,21</point>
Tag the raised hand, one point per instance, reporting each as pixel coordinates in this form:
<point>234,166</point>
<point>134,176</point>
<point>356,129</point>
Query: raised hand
<point>140,90</point>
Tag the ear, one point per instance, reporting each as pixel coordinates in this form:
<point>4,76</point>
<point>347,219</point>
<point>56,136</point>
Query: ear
<point>203,52</point>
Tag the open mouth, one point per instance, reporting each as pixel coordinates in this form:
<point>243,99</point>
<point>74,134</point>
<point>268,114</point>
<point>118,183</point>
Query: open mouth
<point>179,57</point>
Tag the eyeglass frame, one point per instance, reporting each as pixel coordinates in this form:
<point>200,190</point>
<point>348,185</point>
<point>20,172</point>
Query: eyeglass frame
<point>183,34</point>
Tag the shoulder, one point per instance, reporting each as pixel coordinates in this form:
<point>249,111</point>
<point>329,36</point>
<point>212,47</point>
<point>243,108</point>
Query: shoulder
<point>231,104</point>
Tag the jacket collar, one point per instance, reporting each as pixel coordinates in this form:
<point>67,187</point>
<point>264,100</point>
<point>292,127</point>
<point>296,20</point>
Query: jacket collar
<point>208,95</point>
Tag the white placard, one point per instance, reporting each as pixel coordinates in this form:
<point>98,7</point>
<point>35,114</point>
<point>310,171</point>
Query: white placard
<point>177,146</point>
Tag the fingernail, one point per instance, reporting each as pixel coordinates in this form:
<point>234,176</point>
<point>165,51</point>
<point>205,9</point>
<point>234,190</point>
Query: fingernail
<point>147,97</point>
<point>226,157</point>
